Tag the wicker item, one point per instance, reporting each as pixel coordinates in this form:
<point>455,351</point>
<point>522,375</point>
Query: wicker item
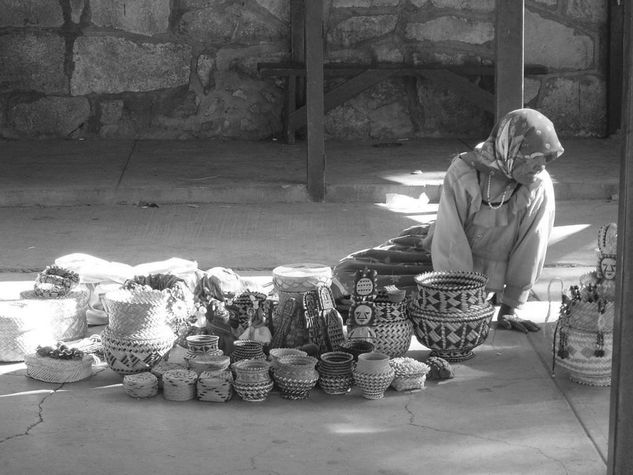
<point>448,292</point>
<point>454,335</point>
<point>291,388</point>
<point>253,392</point>
<point>247,350</point>
<point>27,320</point>
<point>409,374</point>
<point>392,328</point>
<point>335,372</point>
<point>589,317</point>
<point>296,367</point>
<point>162,367</point>
<point>373,386</point>
<point>179,385</point>
<point>297,278</point>
<point>581,361</point>
<point>141,385</point>
<point>336,385</point>
<point>54,370</point>
<point>135,313</point>
<point>215,386</point>
<point>127,355</point>
<point>357,347</point>
<point>54,282</point>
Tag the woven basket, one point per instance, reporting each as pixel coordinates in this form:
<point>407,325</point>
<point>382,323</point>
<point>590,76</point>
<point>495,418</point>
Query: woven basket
<point>179,385</point>
<point>408,383</point>
<point>393,329</point>
<point>215,386</point>
<point>581,361</point>
<point>247,350</point>
<point>253,392</point>
<point>586,316</point>
<point>27,321</point>
<point>135,313</point>
<point>141,385</point>
<point>451,291</point>
<point>126,355</point>
<point>357,347</point>
<point>291,388</point>
<point>451,336</point>
<point>53,370</point>
<point>336,385</point>
<point>298,278</point>
<point>162,367</point>
<point>373,386</point>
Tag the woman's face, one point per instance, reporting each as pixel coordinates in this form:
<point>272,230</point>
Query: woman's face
<point>527,169</point>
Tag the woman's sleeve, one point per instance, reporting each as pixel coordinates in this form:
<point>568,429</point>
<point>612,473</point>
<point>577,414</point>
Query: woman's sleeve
<point>528,255</point>
<point>450,250</point>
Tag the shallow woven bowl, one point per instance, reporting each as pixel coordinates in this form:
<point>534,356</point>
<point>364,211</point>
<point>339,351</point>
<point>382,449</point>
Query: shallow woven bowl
<point>451,336</point>
<point>451,291</point>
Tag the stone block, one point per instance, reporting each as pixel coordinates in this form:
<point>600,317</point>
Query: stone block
<point>50,116</point>
<point>451,28</point>
<point>360,28</point>
<point>565,48</point>
<point>77,8</point>
<point>387,53</point>
<point>32,62</point>
<point>588,10</point>
<point>391,121</point>
<point>41,13</point>
<point>224,23</point>
<point>576,105</point>
<point>479,5</point>
<point>278,8</point>
<point>364,3</point>
<point>110,65</point>
<point>245,58</point>
<point>548,3</point>
<point>111,111</point>
<point>419,3</point>
<point>531,88</point>
<point>144,17</point>
<point>204,68</point>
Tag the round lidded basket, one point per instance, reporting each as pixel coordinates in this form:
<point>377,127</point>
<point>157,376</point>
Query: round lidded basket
<point>141,385</point>
<point>162,367</point>
<point>449,292</point>
<point>215,386</point>
<point>179,384</point>
<point>454,335</point>
<point>53,370</point>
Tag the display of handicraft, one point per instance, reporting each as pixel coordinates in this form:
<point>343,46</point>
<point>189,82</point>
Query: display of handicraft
<point>362,312</point>
<point>583,336</point>
<point>393,329</point>
<point>451,315</point>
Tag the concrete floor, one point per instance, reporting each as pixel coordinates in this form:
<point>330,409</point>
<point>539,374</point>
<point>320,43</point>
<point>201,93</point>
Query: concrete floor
<point>503,413</point>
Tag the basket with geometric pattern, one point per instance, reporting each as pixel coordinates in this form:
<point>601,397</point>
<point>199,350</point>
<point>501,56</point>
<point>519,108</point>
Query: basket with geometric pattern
<point>580,358</point>
<point>392,327</point>
<point>141,385</point>
<point>453,335</point>
<point>449,292</point>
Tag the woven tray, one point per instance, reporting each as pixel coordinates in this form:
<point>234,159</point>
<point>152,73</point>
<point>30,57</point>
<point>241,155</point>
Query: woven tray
<point>53,370</point>
<point>451,291</point>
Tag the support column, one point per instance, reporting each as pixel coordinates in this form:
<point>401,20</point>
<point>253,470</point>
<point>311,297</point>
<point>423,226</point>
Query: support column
<point>621,410</point>
<point>509,61</point>
<point>314,99</point>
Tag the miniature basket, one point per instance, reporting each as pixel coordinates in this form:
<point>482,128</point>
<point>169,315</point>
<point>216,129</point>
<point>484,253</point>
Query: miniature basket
<point>54,370</point>
<point>141,385</point>
<point>247,350</point>
<point>357,347</point>
<point>253,392</point>
<point>162,367</point>
<point>179,385</point>
<point>55,281</point>
<point>215,386</point>
<point>451,291</point>
<point>393,329</point>
<point>373,386</point>
<point>135,313</point>
<point>126,355</point>
<point>336,385</point>
<point>454,335</point>
<point>409,374</point>
<point>295,389</point>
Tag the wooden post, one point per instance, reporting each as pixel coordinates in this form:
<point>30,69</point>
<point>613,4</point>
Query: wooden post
<point>620,460</point>
<point>509,60</point>
<point>314,98</point>
<point>616,58</point>
<point>295,91</point>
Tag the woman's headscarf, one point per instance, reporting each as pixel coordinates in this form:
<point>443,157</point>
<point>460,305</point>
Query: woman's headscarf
<point>523,133</point>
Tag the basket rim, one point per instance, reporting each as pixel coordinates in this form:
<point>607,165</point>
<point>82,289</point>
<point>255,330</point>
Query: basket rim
<point>442,280</point>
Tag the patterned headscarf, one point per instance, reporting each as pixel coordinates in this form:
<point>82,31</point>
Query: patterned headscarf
<point>520,133</point>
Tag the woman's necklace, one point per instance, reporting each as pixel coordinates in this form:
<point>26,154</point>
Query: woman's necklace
<point>503,196</point>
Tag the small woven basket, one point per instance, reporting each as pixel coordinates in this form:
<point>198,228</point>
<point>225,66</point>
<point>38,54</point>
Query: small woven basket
<point>336,385</point>
<point>373,386</point>
<point>215,386</point>
<point>454,335</point>
<point>179,385</point>
<point>53,370</point>
<point>451,291</point>
<point>409,374</point>
<point>162,367</point>
<point>393,329</point>
<point>291,388</point>
<point>253,392</point>
<point>141,385</point>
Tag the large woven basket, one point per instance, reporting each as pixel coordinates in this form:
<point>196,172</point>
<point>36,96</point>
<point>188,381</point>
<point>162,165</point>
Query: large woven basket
<point>298,278</point>
<point>584,366</point>
<point>453,335</point>
<point>392,327</point>
<point>53,370</point>
<point>135,313</point>
<point>449,292</point>
<point>126,355</point>
<point>27,320</point>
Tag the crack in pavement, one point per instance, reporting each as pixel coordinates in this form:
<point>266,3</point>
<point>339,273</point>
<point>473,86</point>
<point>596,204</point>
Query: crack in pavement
<point>40,416</point>
<point>412,417</point>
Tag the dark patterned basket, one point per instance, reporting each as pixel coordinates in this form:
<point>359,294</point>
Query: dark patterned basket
<point>392,328</point>
<point>451,291</point>
<point>451,336</point>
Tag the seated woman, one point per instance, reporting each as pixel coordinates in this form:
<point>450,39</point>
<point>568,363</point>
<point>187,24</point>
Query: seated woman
<point>495,216</point>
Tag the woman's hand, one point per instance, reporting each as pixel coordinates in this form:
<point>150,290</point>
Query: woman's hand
<point>507,320</point>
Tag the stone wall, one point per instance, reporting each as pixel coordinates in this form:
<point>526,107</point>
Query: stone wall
<point>188,68</point>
